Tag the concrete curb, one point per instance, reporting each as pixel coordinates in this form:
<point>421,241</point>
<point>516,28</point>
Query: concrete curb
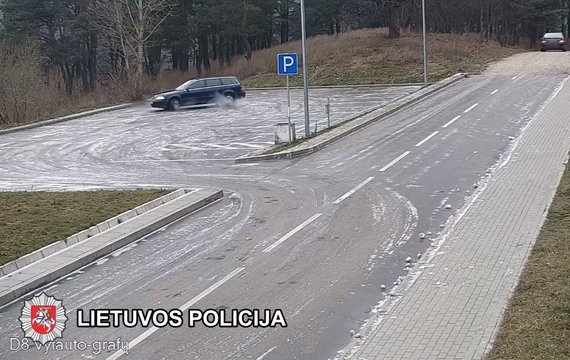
<point>64,118</point>
<point>335,86</point>
<point>351,125</point>
<point>52,248</point>
<point>59,259</point>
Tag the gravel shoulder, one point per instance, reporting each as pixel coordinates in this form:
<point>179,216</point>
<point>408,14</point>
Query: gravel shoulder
<point>532,63</point>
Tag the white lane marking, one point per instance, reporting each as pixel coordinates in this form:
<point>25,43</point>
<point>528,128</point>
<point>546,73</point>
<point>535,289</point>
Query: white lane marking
<point>451,122</point>
<point>218,146</point>
<point>358,187</point>
<point>559,89</point>
<point>248,164</point>
<point>471,108</point>
<point>291,233</point>
<point>514,77</point>
<point>184,307</point>
<point>427,138</point>
<point>394,161</point>
<point>252,146</point>
<point>265,353</point>
<point>494,92</point>
<point>410,125</point>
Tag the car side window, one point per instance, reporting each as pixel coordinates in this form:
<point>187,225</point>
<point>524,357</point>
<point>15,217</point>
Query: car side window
<point>197,85</point>
<point>213,82</point>
<point>229,81</point>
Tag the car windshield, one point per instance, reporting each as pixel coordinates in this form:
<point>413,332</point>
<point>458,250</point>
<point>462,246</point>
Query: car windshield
<point>553,36</point>
<point>185,85</point>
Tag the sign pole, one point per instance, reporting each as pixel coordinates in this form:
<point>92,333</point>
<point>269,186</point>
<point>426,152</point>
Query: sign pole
<point>424,40</point>
<point>305,70</point>
<point>328,112</point>
<point>289,111</point>
<point>287,65</point>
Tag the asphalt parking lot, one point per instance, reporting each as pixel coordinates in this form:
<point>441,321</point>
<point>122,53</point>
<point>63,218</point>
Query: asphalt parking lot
<point>141,133</point>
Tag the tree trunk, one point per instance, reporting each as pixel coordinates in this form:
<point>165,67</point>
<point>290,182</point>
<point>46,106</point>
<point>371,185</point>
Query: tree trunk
<point>198,61</point>
<point>82,69</point>
<point>175,57</point>
<point>568,19</point>
<point>246,44</point>
<point>204,55</point>
<point>481,26</point>
<point>139,51</point>
<point>183,59</point>
<point>214,42</point>
<point>228,52</point>
<point>270,32</point>
<point>154,57</point>
<point>92,62</point>
<point>394,22</point>
<point>284,24</point>
<point>67,75</point>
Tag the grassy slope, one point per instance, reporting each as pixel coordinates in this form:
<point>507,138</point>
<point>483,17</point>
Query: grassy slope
<point>366,57</point>
<point>537,322</point>
<point>33,220</point>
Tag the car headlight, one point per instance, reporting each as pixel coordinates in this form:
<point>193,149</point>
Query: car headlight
<point>159,97</point>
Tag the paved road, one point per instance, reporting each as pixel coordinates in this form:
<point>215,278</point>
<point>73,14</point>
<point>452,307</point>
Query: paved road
<point>316,237</point>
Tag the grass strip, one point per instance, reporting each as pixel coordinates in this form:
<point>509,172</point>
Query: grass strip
<point>536,324</point>
<point>32,220</point>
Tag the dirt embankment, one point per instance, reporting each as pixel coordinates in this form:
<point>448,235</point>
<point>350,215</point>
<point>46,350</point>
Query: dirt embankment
<point>532,63</point>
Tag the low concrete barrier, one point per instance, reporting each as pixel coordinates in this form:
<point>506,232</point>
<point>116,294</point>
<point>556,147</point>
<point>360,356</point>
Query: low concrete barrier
<point>19,278</point>
<point>64,118</point>
<point>350,125</point>
<point>88,233</point>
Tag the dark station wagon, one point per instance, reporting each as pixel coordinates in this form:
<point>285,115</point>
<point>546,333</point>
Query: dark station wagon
<point>200,92</point>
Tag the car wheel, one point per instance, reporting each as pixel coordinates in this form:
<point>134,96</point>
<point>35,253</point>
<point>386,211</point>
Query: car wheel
<point>174,104</point>
<point>229,99</point>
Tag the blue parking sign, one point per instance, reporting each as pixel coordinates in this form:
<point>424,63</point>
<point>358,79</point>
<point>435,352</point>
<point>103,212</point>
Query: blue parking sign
<point>287,64</point>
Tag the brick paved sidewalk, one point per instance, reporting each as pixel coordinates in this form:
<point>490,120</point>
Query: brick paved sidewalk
<point>454,308</point>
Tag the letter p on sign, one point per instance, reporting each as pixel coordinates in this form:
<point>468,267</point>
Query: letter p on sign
<point>287,64</point>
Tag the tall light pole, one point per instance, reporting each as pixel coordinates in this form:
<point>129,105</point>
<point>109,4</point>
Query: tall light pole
<point>426,79</point>
<point>305,70</point>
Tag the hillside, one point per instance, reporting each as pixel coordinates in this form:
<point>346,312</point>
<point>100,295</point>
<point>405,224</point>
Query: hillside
<point>367,57</point>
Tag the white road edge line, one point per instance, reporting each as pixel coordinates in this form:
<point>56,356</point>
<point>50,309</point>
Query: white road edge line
<point>427,138</point>
<point>291,233</point>
<point>394,161</point>
<point>266,353</point>
<point>167,160</point>
<point>252,146</point>
<point>494,92</point>
<point>184,307</point>
<point>471,108</point>
<point>358,187</point>
<point>452,121</point>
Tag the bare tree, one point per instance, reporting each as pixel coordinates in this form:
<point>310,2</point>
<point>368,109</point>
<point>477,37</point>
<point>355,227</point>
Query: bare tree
<point>107,16</point>
<point>21,79</point>
<point>131,23</point>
